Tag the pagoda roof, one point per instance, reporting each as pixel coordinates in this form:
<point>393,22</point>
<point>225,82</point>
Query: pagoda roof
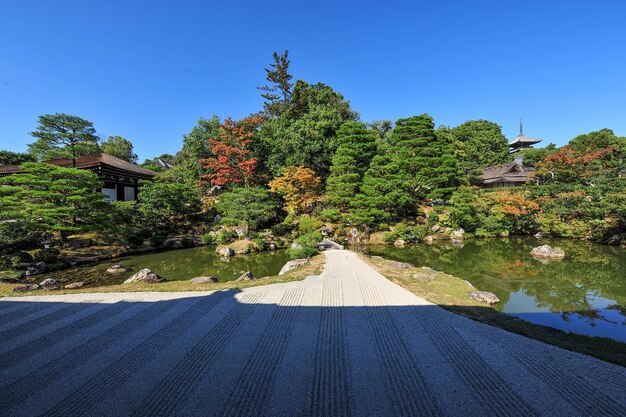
<point>523,139</point>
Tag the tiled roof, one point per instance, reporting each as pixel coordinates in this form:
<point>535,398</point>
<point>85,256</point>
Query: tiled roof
<point>510,172</point>
<point>86,162</point>
<point>524,139</point>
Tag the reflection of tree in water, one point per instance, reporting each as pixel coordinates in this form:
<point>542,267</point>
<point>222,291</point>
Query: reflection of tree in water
<point>505,266</point>
<point>589,314</point>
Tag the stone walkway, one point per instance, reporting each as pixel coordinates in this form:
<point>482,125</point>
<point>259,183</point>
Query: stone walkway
<point>349,343</point>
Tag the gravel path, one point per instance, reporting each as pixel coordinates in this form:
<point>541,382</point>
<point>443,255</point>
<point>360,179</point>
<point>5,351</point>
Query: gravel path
<point>348,343</point>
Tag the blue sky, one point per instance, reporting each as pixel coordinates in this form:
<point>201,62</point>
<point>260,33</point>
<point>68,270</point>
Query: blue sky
<point>147,70</point>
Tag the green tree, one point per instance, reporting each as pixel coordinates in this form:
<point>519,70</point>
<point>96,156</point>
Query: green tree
<point>169,204</point>
<point>196,147</point>
<point>304,135</point>
<point>254,206</point>
<point>385,194</point>
<point>15,158</point>
<point>62,135</point>
<point>483,145</point>
<point>49,198</point>
<point>119,147</point>
<point>277,94</point>
<point>429,160</point>
<point>356,145</point>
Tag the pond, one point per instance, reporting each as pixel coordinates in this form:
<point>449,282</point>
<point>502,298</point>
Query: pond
<point>181,264</point>
<point>584,293</point>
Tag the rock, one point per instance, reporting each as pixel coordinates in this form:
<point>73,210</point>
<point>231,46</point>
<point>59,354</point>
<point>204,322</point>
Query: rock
<point>146,276</point>
<point>49,282</point>
<point>214,190</point>
<point>377,257</point>
<point>9,280</point>
<point>457,234</point>
<point>435,228</point>
<point>291,265</point>
<point>296,245</point>
<point>117,269</point>
<point>423,277</point>
<point>80,243</point>
<point>24,257</point>
<point>217,218</point>
<point>26,288</point>
<point>324,230</point>
<point>484,297</point>
<point>616,240</point>
<point>74,285</point>
<point>226,252</point>
<point>246,276</point>
<point>399,242</point>
<point>429,239</point>
<point>172,244</point>
<point>354,232</point>
<point>36,269</point>
<point>326,244</point>
<point>540,235</point>
<point>272,246</point>
<point>546,251</point>
<point>204,280</point>
<point>399,265</point>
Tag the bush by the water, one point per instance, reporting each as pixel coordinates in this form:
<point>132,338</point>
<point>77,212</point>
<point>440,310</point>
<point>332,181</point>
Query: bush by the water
<point>306,246</point>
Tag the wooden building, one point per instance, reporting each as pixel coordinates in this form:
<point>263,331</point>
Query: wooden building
<point>511,174</point>
<point>514,173</point>
<point>120,178</point>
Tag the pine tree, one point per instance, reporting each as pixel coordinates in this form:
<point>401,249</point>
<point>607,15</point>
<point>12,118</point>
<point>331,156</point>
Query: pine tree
<point>49,198</point>
<point>385,194</point>
<point>278,93</point>
<point>427,158</point>
<point>356,146</point>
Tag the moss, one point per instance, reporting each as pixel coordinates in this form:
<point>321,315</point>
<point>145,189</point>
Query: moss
<point>450,292</point>
<point>314,267</point>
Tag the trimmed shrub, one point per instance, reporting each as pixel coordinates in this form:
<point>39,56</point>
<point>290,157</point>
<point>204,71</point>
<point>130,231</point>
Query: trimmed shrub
<point>158,238</point>
<point>207,239</point>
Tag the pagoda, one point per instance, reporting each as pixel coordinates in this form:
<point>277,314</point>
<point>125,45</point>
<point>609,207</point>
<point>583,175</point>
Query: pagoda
<point>522,141</point>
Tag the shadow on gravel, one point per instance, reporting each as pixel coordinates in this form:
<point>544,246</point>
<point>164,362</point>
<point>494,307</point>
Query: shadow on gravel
<point>230,354</point>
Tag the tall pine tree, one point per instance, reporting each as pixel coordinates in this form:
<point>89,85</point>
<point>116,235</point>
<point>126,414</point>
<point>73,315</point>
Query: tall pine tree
<point>356,146</point>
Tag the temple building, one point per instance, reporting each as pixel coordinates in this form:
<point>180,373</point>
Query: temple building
<point>522,141</point>
<point>120,178</point>
<point>514,173</point>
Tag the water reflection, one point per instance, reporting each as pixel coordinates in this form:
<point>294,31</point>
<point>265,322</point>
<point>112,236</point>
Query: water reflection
<point>583,293</point>
<point>180,264</point>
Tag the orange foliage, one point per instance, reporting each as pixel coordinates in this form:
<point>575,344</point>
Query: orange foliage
<point>231,162</point>
<point>299,187</point>
<point>516,204</point>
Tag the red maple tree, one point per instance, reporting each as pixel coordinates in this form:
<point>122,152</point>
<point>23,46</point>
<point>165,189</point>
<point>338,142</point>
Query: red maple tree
<point>231,162</point>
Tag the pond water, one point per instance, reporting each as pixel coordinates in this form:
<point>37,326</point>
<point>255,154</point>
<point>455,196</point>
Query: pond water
<point>181,264</point>
<point>584,293</point>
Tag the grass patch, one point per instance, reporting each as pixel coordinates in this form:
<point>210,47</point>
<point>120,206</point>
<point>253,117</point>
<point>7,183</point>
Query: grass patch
<point>450,292</point>
<point>314,267</point>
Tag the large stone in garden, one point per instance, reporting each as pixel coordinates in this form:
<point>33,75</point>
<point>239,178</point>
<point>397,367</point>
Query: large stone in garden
<point>204,280</point>
<point>547,251</point>
<point>49,282</point>
<point>246,276</point>
<point>74,285</point>
<point>145,276</point>
<point>326,244</point>
<point>399,265</point>
<point>457,234</point>
<point>226,252</point>
<point>484,297</point>
<point>291,265</point>
<point>26,288</point>
<point>117,269</point>
<point>36,269</point>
